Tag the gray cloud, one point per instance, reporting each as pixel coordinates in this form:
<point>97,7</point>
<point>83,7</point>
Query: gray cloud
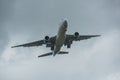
<point>28,20</point>
<point>3,39</point>
<point>6,10</point>
<point>97,62</point>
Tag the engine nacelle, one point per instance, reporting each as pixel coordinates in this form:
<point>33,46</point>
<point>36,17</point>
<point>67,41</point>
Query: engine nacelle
<point>76,34</point>
<point>46,39</point>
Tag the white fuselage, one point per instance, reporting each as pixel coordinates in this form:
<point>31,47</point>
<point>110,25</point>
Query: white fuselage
<point>61,35</point>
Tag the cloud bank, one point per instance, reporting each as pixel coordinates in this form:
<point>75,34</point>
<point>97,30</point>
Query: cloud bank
<point>25,21</point>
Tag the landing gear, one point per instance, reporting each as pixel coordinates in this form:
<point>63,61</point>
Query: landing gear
<point>68,46</point>
<point>52,47</point>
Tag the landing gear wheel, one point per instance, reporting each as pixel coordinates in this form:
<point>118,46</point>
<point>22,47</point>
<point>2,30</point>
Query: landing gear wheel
<point>68,46</point>
<point>52,47</point>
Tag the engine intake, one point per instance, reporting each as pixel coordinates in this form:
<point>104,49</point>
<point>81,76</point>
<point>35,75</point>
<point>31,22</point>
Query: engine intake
<point>46,39</point>
<point>76,34</point>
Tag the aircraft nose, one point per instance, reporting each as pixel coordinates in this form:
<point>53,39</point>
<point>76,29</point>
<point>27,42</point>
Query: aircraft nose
<point>65,23</point>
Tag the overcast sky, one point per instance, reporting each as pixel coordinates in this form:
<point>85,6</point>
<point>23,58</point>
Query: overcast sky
<point>24,21</point>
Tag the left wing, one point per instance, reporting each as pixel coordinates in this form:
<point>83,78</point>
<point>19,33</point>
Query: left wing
<point>79,37</point>
<point>38,43</point>
<point>71,38</point>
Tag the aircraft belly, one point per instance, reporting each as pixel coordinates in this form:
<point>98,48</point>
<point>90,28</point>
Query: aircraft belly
<point>59,42</point>
<point>60,39</point>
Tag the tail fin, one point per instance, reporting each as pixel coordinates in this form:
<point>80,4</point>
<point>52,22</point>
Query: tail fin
<point>50,53</point>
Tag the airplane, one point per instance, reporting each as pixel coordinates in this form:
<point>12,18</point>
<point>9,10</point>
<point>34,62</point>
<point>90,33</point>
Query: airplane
<point>57,41</point>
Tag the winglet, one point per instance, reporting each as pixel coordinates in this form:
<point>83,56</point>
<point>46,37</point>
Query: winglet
<point>96,35</point>
<point>16,46</point>
<point>12,47</point>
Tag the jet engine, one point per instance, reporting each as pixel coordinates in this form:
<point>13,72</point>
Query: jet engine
<point>46,39</point>
<point>76,34</point>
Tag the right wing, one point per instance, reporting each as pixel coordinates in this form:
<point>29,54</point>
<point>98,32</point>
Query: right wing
<point>38,43</point>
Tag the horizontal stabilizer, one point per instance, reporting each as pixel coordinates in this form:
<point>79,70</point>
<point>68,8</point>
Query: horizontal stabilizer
<point>50,53</point>
<point>63,52</point>
<point>47,54</point>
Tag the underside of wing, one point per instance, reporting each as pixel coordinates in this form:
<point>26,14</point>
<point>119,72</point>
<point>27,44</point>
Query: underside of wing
<point>70,38</point>
<point>79,37</point>
<point>36,43</point>
<point>83,37</point>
